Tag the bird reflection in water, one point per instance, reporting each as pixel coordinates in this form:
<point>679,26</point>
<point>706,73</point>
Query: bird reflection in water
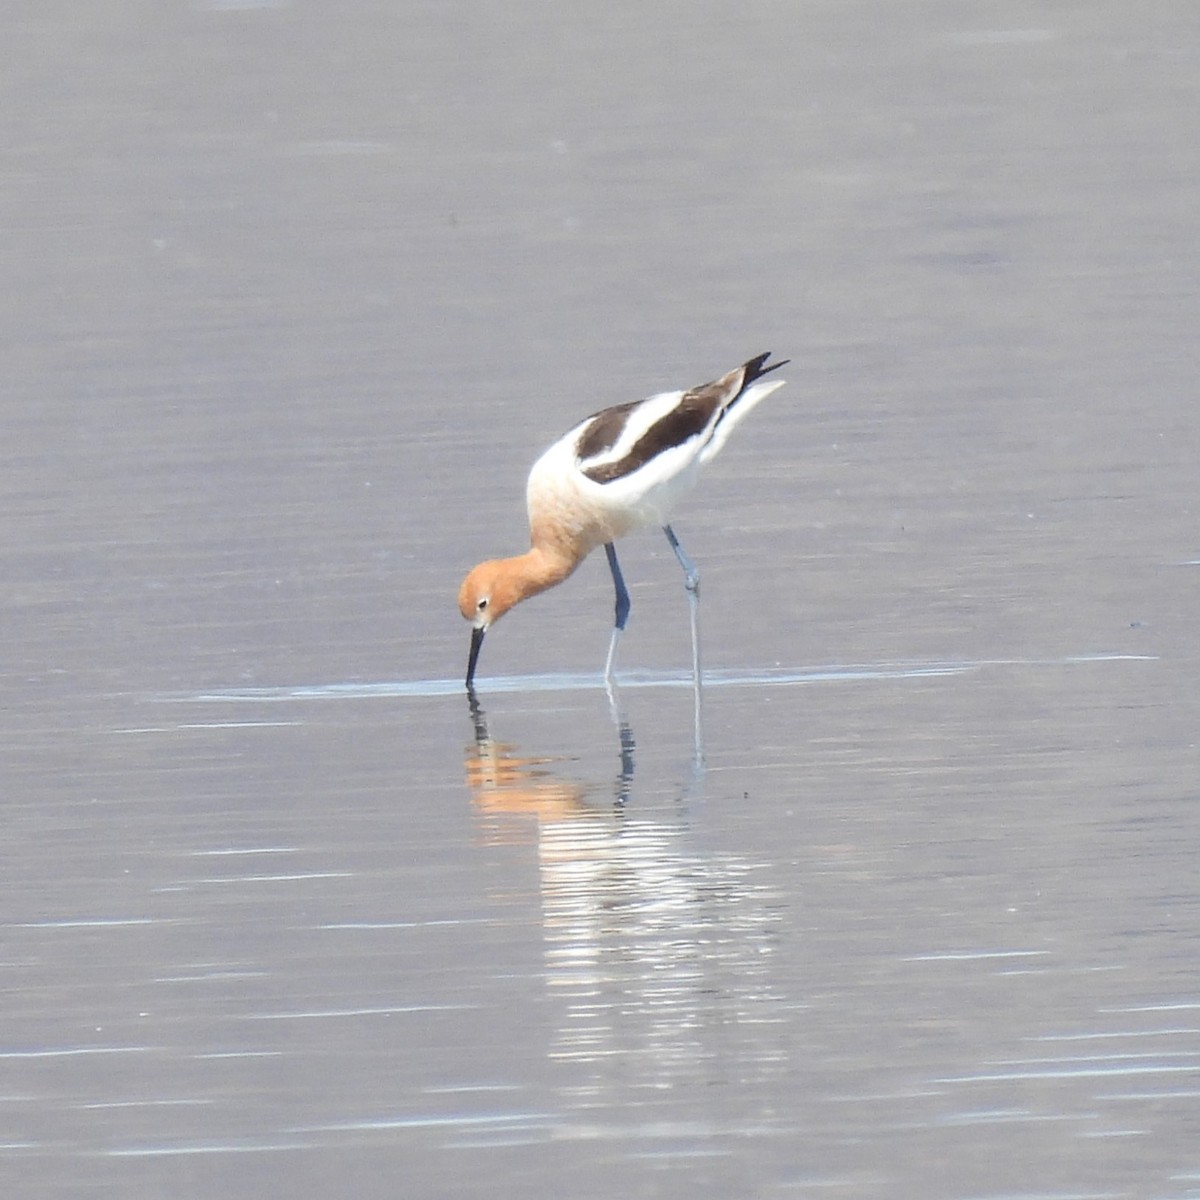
<point>502,781</point>
<point>659,954</point>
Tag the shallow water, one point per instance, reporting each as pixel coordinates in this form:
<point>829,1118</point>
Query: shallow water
<point>292,305</point>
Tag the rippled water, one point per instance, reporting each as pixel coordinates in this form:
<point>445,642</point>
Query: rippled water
<point>294,301</point>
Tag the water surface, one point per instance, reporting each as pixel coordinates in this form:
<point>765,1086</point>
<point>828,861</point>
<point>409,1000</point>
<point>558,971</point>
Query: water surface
<point>293,302</point>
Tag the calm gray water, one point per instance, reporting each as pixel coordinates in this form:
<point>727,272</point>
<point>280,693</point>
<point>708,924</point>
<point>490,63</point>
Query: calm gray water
<point>294,297</point>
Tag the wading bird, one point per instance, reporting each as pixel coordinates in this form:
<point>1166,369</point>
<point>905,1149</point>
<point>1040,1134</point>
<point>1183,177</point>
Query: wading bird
<point>617,470</point>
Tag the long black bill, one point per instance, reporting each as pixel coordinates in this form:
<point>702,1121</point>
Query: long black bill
<point>476,645</point>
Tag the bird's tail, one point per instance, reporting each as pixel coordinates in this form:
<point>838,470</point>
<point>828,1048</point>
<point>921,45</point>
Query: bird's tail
<point>756,368</point>
<point>747,395</point>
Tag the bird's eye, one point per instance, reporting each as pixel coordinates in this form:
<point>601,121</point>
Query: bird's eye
<point>483,603</point>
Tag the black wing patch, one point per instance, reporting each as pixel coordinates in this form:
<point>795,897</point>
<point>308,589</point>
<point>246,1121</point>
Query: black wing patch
<point>685,421</point>
<point>688,419</point>
<point>604,430</point>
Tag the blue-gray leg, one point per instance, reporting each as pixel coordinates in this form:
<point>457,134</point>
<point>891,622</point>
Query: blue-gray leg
<point>691,573</point>
<point>622,608</point>
<point>619,585</point>
<point>691,579</point>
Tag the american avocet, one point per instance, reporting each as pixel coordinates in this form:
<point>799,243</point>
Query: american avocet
<point>617,470</point>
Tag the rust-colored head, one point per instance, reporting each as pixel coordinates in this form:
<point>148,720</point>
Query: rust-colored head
<point>488,592</point>
<point>493,587</point>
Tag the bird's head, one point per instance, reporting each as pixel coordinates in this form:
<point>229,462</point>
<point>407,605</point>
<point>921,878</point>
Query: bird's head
<point>493,587</point>
<point>487,593</point>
